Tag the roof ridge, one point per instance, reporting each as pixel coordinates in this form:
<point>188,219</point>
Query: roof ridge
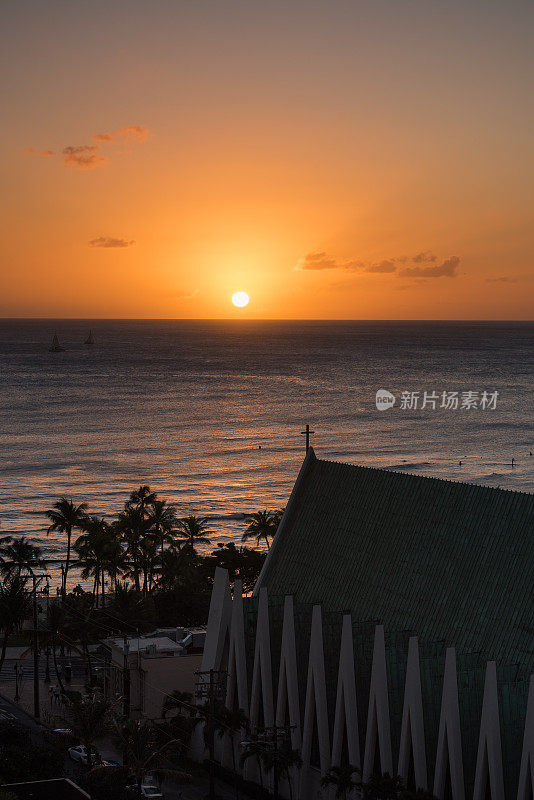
<point>425,477</point>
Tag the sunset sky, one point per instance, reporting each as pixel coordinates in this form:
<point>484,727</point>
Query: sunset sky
<point>352,159</point>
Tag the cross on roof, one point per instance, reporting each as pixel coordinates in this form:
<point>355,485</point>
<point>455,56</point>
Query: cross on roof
<point>307,433</point>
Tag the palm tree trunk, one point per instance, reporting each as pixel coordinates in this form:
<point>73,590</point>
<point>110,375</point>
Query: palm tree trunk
<point>261,774</point>
<point>288,776</point>
<point>103,599</point>
<point>4,646</point>
<point>58,676</point>
<point>47,668</point>
<point>67,562</point>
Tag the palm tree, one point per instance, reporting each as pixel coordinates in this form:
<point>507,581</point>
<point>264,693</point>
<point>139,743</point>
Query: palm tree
<point>194,530</point>
<point>20,556</point>
<point>177,701</point>
<point>133,527</point>
<point>163,521</point>
<point>141,499</point>
<point>88,719</point>
<point>382,787</point>
<point>253,748</point>
<point>65,516</point>
<point>56,623</point>
<point>342,779</point>
<point>262,525</point>
<point>183,723</point>
<point>140,746</point>
<point>178,567</point>
<point>15,607</point>
<point>128,609</point>
<point>282,760</point>
<point>230,722</point>
<point>91,547</point>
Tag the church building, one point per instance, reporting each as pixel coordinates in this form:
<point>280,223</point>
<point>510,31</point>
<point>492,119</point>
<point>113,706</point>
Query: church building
<point>392,628</point>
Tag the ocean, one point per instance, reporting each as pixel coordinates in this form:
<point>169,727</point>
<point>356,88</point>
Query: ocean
<point>210,413</point>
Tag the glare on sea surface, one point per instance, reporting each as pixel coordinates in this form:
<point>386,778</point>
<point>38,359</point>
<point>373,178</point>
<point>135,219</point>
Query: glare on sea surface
<point>240,299</point>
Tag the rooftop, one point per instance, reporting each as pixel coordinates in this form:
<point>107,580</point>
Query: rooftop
<point>450,561</point>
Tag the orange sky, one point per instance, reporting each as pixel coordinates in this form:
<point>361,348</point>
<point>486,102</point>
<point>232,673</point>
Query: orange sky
<point>367,160</point>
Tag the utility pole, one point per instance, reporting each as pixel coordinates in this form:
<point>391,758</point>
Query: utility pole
<point>215,679</point>
<point>126,680</point>
<point>307,434</point>
<point>36,704</point>
<point>275,747</point>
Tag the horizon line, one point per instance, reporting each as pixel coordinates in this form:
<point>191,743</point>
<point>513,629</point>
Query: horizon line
<point>263,319</point>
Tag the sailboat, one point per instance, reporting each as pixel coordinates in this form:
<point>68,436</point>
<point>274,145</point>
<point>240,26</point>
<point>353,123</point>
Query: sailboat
<point>56,347</point>
<point>90,339</point>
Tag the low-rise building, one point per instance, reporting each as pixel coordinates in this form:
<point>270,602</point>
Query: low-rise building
<point>146,669</point>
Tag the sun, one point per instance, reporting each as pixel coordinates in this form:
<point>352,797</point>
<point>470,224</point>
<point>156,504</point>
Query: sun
<point>240,299</point>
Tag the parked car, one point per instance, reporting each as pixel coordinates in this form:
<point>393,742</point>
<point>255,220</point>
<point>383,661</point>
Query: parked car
<point>148,791</point>
<point>79,753</point>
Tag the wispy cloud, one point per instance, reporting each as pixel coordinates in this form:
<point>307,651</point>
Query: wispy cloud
<point>90,156</point>
<point>424,265</point>
<point>321,260</point>
<point>130,133</point>
<point>503,279</point>
<point>447,269</point>
<point>384,266</point>
<point>83,156</point>
<point>110,241</point>
<point>43,153</point>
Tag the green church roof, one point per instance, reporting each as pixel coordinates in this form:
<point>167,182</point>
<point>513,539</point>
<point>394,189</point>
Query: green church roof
<point>452,562</point>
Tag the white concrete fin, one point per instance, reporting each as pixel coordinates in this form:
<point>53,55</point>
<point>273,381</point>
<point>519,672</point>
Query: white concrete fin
<point>449,752</point>
<point>262,679</point>
<point>488,773</point>
<point>412,738</point>
<point>525,789</point>
<point>236,683</point>
<point>217,638</point>
<point>219,617</point>
<point>288,689</point>
<point>316,710</point>
<point>346,716</point>
<point>378,723</point>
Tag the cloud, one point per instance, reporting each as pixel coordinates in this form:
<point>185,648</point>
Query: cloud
<point>448,269</point>
<point>423,258</point>
<point>384,266</point>
<point>425,261</point>
<point>89,156</point>
<point>44,153</point>
<point>503,279</point>
<point>85,156</point>
<point>317,261</point>
<point>110,241</point>
<point>130,133</point>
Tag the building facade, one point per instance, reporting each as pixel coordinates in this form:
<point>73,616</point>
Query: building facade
<point>154,667</point>
<point>392,628</point>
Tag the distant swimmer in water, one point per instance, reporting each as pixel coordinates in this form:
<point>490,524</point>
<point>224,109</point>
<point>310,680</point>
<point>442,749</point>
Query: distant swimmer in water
<point>259,447</point>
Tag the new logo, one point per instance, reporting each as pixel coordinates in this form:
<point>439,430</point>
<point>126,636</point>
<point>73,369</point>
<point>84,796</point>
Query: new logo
<point>384,399</point>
